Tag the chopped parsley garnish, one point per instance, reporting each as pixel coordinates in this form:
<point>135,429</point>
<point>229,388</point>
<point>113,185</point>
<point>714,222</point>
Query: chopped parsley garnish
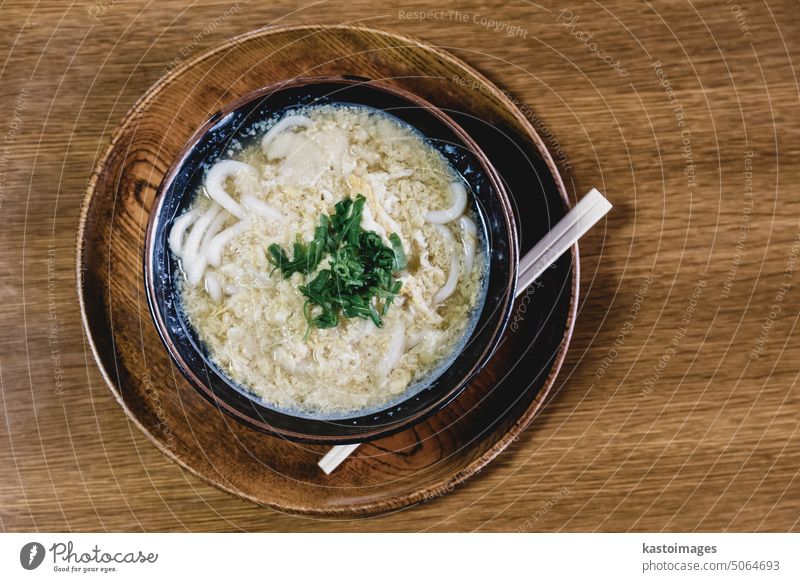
<point>359,278</point>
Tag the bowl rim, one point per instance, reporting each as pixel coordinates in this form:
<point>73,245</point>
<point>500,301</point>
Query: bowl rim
<point>448,394</point>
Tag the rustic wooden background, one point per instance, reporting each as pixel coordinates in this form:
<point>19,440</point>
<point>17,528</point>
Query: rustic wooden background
<point>675,411</point>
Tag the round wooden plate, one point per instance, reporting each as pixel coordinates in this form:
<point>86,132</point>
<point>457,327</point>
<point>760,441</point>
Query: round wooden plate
<point>417,464</point>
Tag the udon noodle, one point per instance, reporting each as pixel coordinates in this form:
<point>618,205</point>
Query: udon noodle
<point>251,319</point>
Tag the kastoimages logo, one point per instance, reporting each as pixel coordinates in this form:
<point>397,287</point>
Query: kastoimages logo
<point>31,555</point>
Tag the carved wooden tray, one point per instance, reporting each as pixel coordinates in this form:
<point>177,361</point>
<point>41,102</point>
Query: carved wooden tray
<point>420,463</point>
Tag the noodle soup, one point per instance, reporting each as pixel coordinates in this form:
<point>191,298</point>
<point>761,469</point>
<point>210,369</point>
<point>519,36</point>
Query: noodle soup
<point>334,265</point>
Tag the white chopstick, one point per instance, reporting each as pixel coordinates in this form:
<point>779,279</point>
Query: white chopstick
<point>335,456</point>
<point>561,237</point>
<point>555,243</point>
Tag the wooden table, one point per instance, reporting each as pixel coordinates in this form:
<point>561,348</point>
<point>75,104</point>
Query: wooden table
<point>677,408</point>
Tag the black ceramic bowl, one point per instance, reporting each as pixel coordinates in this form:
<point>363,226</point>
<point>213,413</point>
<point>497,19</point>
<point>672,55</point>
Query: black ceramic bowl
<point>211,141</point>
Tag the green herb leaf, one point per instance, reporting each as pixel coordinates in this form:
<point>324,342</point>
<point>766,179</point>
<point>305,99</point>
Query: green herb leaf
<point>359,280</point>
<point>400,261</point>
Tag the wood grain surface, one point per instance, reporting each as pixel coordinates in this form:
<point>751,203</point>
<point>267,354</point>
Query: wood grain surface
<point>677,405</point>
